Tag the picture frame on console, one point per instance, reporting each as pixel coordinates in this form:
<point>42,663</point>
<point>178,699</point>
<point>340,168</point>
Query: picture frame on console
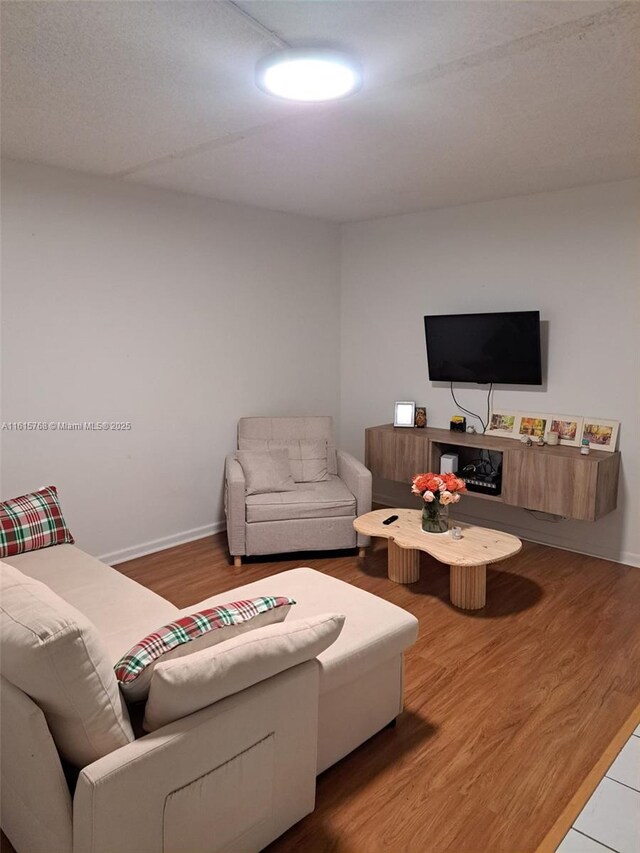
<point>602,433</point>
<point>568,427</point>
<point>534,425</point>
<point>504,423</point>
<point>404,414</point>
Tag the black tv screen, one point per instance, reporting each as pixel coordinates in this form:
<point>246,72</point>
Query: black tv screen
<point>501,348</point>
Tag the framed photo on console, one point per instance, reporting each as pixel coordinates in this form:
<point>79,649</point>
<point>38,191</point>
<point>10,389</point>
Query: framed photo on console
<point>504,424</point>
<point>533,425</point>
<point>404,414</point>
<point>568,427</point>
<point>602,434</point>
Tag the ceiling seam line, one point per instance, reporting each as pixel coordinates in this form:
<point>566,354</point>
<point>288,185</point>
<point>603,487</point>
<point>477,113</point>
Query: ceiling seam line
<point>522,44</point>
<point>256,24</point>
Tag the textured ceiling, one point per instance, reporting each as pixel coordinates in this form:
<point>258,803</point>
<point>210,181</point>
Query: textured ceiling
<point>463,101</point>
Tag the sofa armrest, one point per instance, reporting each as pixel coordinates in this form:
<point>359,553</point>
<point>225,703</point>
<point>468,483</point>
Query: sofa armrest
<point>234,505</point>
<point>232,777</point>
<point>358,480</point>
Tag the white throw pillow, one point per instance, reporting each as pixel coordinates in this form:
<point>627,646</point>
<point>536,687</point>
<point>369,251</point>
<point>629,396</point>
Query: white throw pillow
<point>181,687</point>
<point>55,655</point>
<point>266,471</point>
<point>192,632</point>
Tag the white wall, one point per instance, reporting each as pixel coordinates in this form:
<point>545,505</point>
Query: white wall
<point>181,314</point>
<point>170,311</point>
<point>575,255</point>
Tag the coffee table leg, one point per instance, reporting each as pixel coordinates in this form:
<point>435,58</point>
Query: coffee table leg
<point>404,564</point>
<point>468,586</point>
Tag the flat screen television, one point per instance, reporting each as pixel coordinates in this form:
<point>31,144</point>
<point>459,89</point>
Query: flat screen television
<point>503,348</point>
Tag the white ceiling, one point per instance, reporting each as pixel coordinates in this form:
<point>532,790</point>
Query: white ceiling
<point>463,101</point>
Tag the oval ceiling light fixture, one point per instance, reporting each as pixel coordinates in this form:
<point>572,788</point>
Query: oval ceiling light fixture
<point>312,75</point>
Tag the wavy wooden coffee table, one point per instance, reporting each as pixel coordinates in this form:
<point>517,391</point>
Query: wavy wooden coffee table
<point>467,558</point>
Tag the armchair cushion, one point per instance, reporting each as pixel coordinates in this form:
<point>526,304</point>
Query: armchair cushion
<point>308,458</point>
<point>327,499</point>
<point>309,429</point>
<point>181,687</point>
<point>191,633</point>
<point>266,471</point>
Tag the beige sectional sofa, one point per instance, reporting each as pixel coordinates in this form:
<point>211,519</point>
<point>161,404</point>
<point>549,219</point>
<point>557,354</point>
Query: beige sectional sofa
<point>230,777</point>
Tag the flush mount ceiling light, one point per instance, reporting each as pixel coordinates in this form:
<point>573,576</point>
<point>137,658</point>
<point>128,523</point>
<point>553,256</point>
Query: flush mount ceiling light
<point>299,74</point>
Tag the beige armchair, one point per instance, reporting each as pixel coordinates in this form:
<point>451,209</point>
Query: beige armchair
<point>315,516</point>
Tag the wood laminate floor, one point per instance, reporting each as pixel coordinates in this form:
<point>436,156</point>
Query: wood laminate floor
<point>507,709</point>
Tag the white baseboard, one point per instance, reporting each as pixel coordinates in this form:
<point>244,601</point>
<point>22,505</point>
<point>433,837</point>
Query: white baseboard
<point>627,558</point>
<point>161,544</point>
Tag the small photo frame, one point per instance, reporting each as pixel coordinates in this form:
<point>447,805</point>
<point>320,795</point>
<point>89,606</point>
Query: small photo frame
<point>504,423</point>
<point>420,417</point>
<point>533,425</point>
<point>405,414</point>
<point>602,433</point>
<point>568,427</point>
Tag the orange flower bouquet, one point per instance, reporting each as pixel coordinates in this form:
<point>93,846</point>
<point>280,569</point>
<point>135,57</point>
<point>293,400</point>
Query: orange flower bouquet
<point>437,492</point>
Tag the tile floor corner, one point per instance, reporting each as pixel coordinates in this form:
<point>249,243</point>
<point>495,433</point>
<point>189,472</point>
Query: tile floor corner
<point>610,821</point>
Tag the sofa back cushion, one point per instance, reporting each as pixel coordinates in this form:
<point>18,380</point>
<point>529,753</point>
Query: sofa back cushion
<point>55,655</point>
<point>307,458</point>
<point>315,428</point>
<point>193,632</point>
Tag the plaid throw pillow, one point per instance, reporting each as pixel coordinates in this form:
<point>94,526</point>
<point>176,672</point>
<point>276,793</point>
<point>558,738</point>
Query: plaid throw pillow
<point>206,628</point>
<point>32,521</point>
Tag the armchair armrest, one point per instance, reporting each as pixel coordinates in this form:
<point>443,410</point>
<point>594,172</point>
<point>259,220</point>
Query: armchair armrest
<point>234,505</point>
<point>232,777</point>
<point>358,480</point>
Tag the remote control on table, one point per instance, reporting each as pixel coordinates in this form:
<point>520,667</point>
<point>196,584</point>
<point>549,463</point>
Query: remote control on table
<point>390,520</point>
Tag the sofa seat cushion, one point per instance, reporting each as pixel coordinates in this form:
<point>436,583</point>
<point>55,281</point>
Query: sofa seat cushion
<point>121,609</point>
<point>326,499</point>
<point>374,629</point>
<point>55,655</point>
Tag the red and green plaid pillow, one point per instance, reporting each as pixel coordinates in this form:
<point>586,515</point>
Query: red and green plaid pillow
<point>32,521</point>
<point>207,627</point>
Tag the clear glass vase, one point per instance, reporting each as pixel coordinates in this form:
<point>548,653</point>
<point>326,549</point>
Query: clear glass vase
<point>435,517</point>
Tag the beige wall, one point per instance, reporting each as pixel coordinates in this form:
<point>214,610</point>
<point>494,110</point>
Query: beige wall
<point>170,311</point>
<point>575,255</point>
